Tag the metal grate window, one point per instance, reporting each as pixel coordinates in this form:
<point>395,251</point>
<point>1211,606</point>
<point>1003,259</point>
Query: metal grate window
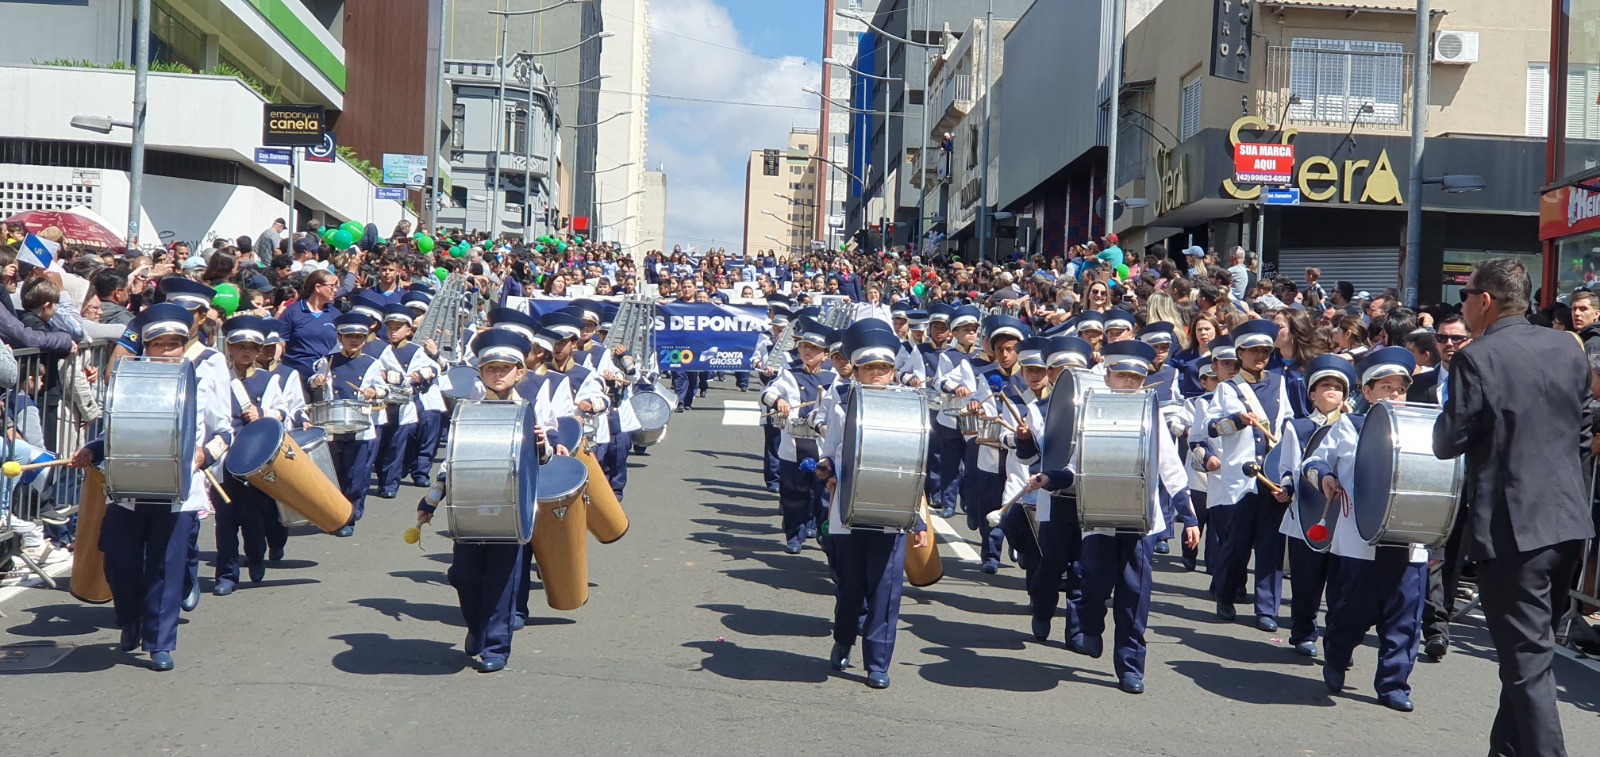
<point>1189,112</point>
<point>1335,78</point>
<point>20,196</point>
<point>1583,102</point>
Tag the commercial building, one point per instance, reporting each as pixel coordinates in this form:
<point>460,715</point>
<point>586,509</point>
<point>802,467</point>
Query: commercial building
<point>780,196</point>
<point>1569,207</point>
<point>653,229</point>
<point>624,136</point>
<point>519,148</point>
<point>1332,80</point>
<point>841,36</point>
<point>202,129</point>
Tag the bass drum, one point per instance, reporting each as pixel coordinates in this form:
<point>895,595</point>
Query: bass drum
<point>150,429</point>
<point>1118,464</point>
<point>1061,424</point>
<point>653,411</point>
<point>884,460</point>
<point>1403,494</point>
<point>492,472</point>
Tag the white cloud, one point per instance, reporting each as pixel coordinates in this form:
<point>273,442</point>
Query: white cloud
<point>705,146</point>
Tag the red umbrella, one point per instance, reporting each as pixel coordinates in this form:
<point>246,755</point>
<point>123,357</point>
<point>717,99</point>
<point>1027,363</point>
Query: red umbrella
<point>76,229</point>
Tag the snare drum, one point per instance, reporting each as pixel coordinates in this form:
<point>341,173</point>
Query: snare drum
<point>341,416</point>
<point>884,459</point>
<point>1403,494</point>
<point>265,456</point>
<point>399,394</point>
<point>653,411</point>
<point>800,428</point>
<point>989,433</point>
<point>560,533</point>
<point>150,429</point>
<point>1118,463</point>
<point>969,424</point>
<point>492,472</point>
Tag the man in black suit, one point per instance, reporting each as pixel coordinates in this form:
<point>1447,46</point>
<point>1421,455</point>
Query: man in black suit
<point>1519,431</point>
<point>1445,575</point>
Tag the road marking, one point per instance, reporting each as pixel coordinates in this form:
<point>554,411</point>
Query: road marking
<point>958,543</point>
<point>55,570</point>
<point>741,413</point>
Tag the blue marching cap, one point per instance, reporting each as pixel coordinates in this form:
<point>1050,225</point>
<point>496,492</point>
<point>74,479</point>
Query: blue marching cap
<point>868,342</point>
<point>1158,333</point>
<point>1070,352</point>
<point>354,323</point>
<point>1091,320</point>
<point>587,309</point>
<point>367,305</point>
<point>1222,349</point>
<point>918,319</point>
<point>810,331</point>
<point>778,303</point>
<point>779,318</point>
<point>563,323</point>
<point>1117,318</point>
<point>939,312</point>
<point>397,312</point>
<point>274,328</point>
<point>163,319</point>
<point>1004,325</point>
<point>500,346</point>
<point>810,311</point>
<point>1387,361</point>
<point>1033,352</point>
<point>899,309</point>
<point>188,293</point>
<point>1258,332</point>
<point>245,329</point>
<point>416,300</point>
<point>1331,366</point>
<point>608,316</point>
<point>1205,367</point>
<point>964,315</point>
<point>1129,356</point>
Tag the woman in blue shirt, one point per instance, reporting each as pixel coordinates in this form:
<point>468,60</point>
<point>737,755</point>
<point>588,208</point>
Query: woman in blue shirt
<point>308,332</point>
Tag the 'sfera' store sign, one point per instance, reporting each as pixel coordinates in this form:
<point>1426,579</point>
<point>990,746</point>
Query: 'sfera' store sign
<point>1319,177</point>
<point>293,125</point>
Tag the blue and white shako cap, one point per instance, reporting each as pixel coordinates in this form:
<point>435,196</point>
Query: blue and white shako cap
<point>353,323</point>
<point>965,315</point>
<point>511,319</point>
<point>779,317</point>
<point>608,316</point>
<point>996,326</point>
<point>779,303</point>
<point>588,309</point>
<point>835,341</point>
<point>165,319</point>
<point>809,311</point>
<point>1031,352</point>
<point>500,346</point>
<point>1129,356</point>
<point>274,328</point>
<point>189,294</point>
<point>1257,332</point>
<point>562,322</point>
<point>1387,361</point>
<point>367,305</point>
<point>940,312</point>
<point>1116,318</point>
<point>245,329</point>
<point>1070,352</point>
<point>918,319</point>
<point>1205,366</point>
<point>1222,349</point>
<point>868,342</point>
<point>1157,333</point>
<point>1091,320</point>
<point>808,331</point>
<point>417,301</point>
<point>1331,366</point>
<point>397,313</point>
<point>900,311</point>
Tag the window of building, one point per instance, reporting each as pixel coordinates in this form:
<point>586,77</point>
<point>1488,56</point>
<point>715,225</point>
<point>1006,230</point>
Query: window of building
<point>458,126</point>
<point>173,41</point>
<point>1189,110</point>
<point>796,170</point>
<point>1335,78</point>
<point>515,130</point>
<point>1537,112</point>
<point>916,97</point>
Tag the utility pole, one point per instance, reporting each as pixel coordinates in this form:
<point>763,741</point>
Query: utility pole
<point>983,176</point>
<point>437,131</point>
<point>141,83</point>
<point>496,199</point>
<point>1114,118</point>
<point>1421,62</point>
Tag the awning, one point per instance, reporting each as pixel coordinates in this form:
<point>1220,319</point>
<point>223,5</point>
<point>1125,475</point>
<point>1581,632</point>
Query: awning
<point>1348,6</point>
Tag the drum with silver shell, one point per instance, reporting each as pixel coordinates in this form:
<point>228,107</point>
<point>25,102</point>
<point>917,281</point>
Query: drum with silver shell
<point>883,461</point>
<point>654,411</point>
<point>1060,448</point>
<point>341,416</point>
<point>492,472</point>
<point>1118,463</point>
<point>1403,494</point>
<point>399,394</point>
<point>801,428</point>
<point>150,429</point>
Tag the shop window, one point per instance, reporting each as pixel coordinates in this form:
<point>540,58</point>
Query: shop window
<point>173,41</point>
<point>1577,261</point>
<point>1335,78</point>
<point>1189,110</point>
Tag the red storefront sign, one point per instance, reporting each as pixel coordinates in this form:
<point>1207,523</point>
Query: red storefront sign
<point>1567,211</point>
<point>1256,163</point>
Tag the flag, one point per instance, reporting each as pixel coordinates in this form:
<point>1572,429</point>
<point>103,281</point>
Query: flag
<point>37,251</point>
<point>40,478</point>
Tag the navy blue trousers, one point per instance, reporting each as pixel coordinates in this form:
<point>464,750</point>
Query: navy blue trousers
<point>277,533</point>
<point>1308,579</point>
<point>248,514</point>
<point>869,571</point>
<point>1019,532</point>
<point>981,491</point>
<point>485,577</point>
<point>1246,527</point>
<point>1208,535</point>
<point>425,444</point>
<point>352,460</point>
<point>613,455</point>
<point>799,501</point>
<point>191,561</point>
<point>741,379</point>
<point>771,436</point>
<point>948,451</point>
<point>145,553</point>
<point>393,441</point>
<point>1060,543</point>
<point>1117,568</point>
<point>1386,592</point>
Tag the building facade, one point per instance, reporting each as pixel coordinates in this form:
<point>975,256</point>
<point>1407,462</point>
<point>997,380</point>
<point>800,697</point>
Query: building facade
<point>653,235</point>
<point>780,196</point>
<point>1569,206</point>
<point>841,36</point>
<point>508,159</point>
<point>624,133</point>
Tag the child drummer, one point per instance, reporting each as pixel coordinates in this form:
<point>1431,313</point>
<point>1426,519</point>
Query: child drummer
<point>353,375</point>
<point>1116,566</point>
<point>868,564</point>
<point>247,508</point>
<point>486,576</point>
<point>1382,586</point>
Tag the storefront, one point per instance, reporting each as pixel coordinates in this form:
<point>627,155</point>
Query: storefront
<point>1569,211</point>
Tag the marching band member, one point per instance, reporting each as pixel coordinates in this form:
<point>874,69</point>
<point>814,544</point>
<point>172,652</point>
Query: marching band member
<point>956,379</point>
<point>1247,518</point>
<point>354,376</point>
<point>1163,377</point>
<point>1116,566</point>
<point>146,544</point>
<point>1196,456</point>
<point>287,403</point>
<point>1382,586</point>
<point>984,479</point>
<point>588,351</point>
<point>250,508</point>
<point>799,493</point>
<point>1330,378</point>
<point>485,576</point>
<point>868,564</point>
<point>767,365</point>
<point>1091,326</point>
<point>430,400</point>
<point>588,399</point>
<point>1015,522</point>
<point>418,372</point>
<point>620,371</point>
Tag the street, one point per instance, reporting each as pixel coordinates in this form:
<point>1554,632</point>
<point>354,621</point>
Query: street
<point>702,637</point>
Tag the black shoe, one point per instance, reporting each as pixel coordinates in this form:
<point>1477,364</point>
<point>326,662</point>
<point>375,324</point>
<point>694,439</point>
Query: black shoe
<point>792,548</point>
<point>1398,703</point>
<point>1088,646</point>
<point>192,599</point>
<point>811,532</point>
<point>58,517</point>
<point>839,656</point>
<point>492,665</point>
<point>223,588</point>
<point>390,493</point>
<point>472,649</point>
<point>948,512</point>
<point>1131,684</point>
<point>130,638</point>
<point>419,481</point>
<point>1436,647</point>
<point>1041,628</point>
<point>878,680</point>
<point>1225,612</point>
<point>1162,548</point>
<point>1306,648</point>
<point>991,566</point>
<point>1264,623</point>
<point>772,487</point>
<point>276,555</point>
<point>1333,677</point>
<point>161,661</point>
<point>679,410</point>
<point>1189,564</point>
<point>257,573</point>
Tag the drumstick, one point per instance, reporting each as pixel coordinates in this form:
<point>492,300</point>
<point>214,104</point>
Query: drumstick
<point>226,500</point>
<point>12,470</point>
<point>1272,441</point>
<point>775,411</point>
<point>994,517</point>
<point>1011,407</point>
<point>1254,470</point>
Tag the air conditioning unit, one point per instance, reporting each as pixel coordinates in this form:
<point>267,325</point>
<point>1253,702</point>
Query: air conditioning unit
<point>1455,48</point>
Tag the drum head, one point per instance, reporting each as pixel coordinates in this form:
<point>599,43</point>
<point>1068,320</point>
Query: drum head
<point>1376,459</point>
<point>849,449</point>
<point>1061,423</point>
<point>1283,461</point>
<point>651,409</point>
<point>459,382</point>
<point>253,447</point>
<point>569,431</point>
<point>1309,503</point>
<point>309,438</point>
<point>561,478</point>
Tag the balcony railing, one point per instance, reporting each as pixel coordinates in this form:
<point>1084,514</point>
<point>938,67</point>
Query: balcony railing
<point>955,98</point>
<point>1334,86</point>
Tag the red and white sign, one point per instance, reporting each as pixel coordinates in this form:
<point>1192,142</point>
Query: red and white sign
<point>1255,163</point>
<point>1567,211</point>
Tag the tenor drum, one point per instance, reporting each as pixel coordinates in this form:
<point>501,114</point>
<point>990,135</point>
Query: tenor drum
<point>1060,449</point>
<point>265,456</point>
<point>1117,454</point>
<point>150,429</point>
<point>492,472</point>
<point>341,416</point>
<point>653,411</point>
<point>314,441</point>
<point>560,533</point>
<point>459,383</point>
<point>1403,494</point>
<point>800,428</point>
<point>884,459</point>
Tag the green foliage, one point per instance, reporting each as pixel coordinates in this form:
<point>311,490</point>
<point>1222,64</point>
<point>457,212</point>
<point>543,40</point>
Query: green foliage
<point>161,67</point>
<point>348,155</point>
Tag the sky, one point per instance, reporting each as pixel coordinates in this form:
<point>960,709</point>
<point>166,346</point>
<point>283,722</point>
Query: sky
<point>733,51</point>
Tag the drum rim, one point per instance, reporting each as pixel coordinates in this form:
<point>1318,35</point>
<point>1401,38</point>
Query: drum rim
<point>277,448</point>
<point>187,400</point>
<point>1379,416</point>
<point>577,465</point>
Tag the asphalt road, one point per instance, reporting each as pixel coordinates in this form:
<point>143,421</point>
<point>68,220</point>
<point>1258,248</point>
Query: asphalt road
<point>702,637</point>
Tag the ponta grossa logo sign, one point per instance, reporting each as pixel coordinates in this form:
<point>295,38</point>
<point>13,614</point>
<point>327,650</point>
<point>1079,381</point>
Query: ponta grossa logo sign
<point>677,356</point>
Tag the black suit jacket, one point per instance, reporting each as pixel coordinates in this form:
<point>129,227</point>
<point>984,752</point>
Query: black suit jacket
<point>1516,402</point>
<point>1424,388</point>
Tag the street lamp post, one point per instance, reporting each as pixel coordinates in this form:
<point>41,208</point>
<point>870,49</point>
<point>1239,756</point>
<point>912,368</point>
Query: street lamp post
<point>141,82</point>
<point>1421,62</point>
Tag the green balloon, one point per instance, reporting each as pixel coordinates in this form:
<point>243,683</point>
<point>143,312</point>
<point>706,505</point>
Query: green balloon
<point>226,298</point>
<point>355,229</point>
<point>326,230</point>
<point>424,244</point>
<point>561,247</point>
<point>459,251</point>
<point>578,239</point>
<point>441,274</point>
<point>341,240</point>
<point>919,289</point>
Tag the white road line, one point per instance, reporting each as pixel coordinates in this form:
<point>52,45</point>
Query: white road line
<point>55,569</point>
<point>741,413</point>
<point>958,543</point>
